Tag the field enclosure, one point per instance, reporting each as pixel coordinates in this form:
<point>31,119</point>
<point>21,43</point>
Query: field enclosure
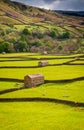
<point>56,104</point>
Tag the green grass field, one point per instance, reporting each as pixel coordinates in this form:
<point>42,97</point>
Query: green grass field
<point>30,63</point>
<point>8,85</point>
<point>37,55</point>
<point>67,91</point>
<point>39,115</point>
<point>50,72</point>
<point>78,62</point>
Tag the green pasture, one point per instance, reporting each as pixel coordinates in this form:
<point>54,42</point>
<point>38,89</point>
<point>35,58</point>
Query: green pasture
<point>78,62</point>
<point>58,61</point>
<point>9,55</point>
<point>40,116</point>
<point>19,63</point>
<point>50,72</point>
<point>10,59</point>
<point>16,56</point>
<point>8,85</point>
<point>37,55</point>
<point>65,91</point>
<point>30,62</point>
<point>56,56</point>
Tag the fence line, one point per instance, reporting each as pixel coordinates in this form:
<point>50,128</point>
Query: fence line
<point>38,99</point>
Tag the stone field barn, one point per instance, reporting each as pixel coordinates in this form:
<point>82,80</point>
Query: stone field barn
<point>33,80</point>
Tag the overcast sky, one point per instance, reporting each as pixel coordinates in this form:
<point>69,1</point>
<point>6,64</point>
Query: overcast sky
<point>77,5</point>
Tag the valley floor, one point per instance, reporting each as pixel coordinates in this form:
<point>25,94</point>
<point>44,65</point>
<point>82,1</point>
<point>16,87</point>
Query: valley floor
<point>58,104</point>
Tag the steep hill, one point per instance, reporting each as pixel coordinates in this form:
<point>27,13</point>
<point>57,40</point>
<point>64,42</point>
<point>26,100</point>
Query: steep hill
<point>27,28</point>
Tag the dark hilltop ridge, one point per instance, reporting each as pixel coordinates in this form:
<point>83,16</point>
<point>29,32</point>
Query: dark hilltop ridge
<point>72,13</point>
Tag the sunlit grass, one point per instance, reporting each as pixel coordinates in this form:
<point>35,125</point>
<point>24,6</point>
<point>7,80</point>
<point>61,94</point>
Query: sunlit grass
<point>57,56</point>
<point>20,63</point>
<point>17,54</point>
<point>10,59</point>
<point>29,63</point>
<point>68,91</point>
<point>78,62</point>
<point>40,116</point>
<point>37,55</point>
<point>8,85</point>
<point>49,72</point>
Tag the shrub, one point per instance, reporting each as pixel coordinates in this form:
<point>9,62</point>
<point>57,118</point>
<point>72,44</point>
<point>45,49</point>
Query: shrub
<point>23,46</point>
<point>49,44</point>
<point>60,47</point>
<point>6,47</point>
<point>66,35</point>
<point>3,32</point>
<point>38,33</point>
<point>26,31</point>
<point>53,34</point>
<point>37,43</point>
<point>82,42</point>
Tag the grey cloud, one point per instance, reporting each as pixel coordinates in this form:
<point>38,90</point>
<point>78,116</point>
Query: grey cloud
<point>49,1</point>
<point>70,5</point>
<point>36,3</point>
<point>56,4</point>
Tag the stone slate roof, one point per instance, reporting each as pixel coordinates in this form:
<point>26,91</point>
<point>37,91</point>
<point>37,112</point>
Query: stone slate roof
<point>35,75</point>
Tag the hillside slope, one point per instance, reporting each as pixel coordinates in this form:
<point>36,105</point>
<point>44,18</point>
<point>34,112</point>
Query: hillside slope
<point>26,28</point>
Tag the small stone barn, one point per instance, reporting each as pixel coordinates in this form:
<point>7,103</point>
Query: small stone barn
<point>43,63</point>
<point>77,58</point>
<point>44,53</point>
<point>3,53</point>
<point>33,80</point>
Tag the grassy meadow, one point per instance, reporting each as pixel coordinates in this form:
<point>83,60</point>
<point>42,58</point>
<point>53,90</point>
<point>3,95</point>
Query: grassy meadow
<point>50,73</point>
<point>42,115</point>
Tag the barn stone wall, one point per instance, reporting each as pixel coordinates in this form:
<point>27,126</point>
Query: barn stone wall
<point>33,80</point>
